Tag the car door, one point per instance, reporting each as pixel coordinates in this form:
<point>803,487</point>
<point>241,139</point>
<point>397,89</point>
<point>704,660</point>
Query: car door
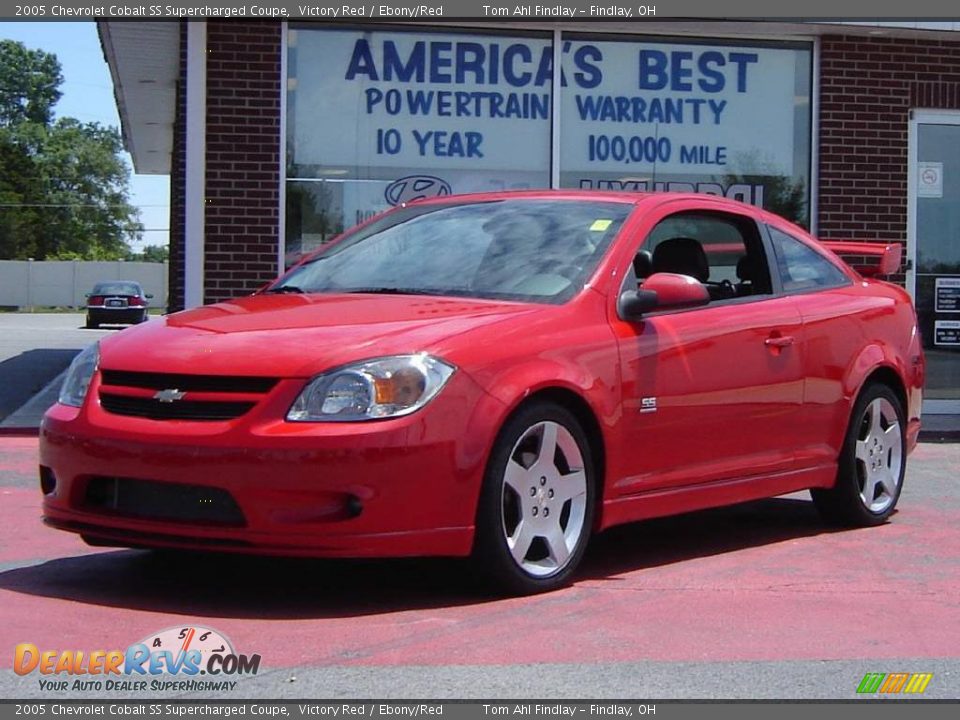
<point>833,311</point>
<point>711,393</point>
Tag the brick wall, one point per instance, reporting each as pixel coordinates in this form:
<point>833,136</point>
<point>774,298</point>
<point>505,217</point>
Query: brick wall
<point>243,157</point>
<point>867,88</point>
<point>178,185</point>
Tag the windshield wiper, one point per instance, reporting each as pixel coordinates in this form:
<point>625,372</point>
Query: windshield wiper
<point>393,291</point>
<point>284,289</point>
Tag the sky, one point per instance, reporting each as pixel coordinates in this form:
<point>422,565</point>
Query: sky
<point>88,96</point>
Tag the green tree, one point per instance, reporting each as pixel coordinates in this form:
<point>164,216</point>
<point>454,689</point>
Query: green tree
<point>151,253</point>
<point>63,183</point>
<point>29,84</point>
<point>786,196</point>
<point>783,194</point>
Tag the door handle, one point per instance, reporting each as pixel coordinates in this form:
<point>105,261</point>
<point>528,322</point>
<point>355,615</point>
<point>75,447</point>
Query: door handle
<point>779,342</point>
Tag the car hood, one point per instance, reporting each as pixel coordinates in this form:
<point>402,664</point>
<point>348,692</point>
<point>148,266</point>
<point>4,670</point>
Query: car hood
<point>298,335</point>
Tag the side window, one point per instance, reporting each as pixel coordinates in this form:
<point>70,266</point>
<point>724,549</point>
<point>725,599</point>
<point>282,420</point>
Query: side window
<point>802,267</point>
<point>724,252</point>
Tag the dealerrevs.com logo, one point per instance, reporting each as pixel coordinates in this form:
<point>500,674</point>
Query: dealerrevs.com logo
<point>183,652</point>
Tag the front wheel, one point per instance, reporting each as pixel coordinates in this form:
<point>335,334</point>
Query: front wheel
<point>872,462</point>
<point>536,505</point>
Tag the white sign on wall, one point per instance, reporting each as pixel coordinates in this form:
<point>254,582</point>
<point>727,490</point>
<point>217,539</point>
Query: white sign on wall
<point>946,333</point>
<point>947,295</point>
<point>640,107</point>
<point>436,101</point>
<point>930,179</point>
<point>422,101</point>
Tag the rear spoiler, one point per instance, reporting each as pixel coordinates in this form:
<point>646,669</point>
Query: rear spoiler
<point>888,256</point>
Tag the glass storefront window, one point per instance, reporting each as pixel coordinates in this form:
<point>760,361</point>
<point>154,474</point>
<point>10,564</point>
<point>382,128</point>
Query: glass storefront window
<point>688,116</point>
<point>376,118</point>
<point>937,275</point>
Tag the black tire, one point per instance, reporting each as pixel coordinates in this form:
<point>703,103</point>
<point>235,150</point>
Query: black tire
<point>872,462</point>
<point>554,546</point>
<point>91,325</point>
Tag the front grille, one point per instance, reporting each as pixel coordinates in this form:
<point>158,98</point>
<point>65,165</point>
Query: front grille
<point>180,410</point>
<point>196,383</point>
<point>197,397</point>
<point>172,502</point>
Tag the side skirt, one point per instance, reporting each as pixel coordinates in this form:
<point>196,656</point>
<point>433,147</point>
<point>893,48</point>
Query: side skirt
<point>673,501</point>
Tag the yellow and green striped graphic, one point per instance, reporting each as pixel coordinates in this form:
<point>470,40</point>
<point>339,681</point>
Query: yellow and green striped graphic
<point>913,683</point>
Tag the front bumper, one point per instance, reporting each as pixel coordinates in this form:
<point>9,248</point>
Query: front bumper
<point>402,487</point>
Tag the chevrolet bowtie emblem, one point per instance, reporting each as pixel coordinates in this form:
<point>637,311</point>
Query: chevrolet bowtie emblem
<point>169,395</point>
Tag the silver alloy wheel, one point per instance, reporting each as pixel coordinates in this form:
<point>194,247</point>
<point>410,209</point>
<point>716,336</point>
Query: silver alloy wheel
<point>879,455</point>
<point>544,499</point>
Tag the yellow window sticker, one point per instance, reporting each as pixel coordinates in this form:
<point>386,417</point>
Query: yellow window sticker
<point>600,225</point>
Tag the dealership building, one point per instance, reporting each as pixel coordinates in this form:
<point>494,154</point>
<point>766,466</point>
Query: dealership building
<point>277,136</point>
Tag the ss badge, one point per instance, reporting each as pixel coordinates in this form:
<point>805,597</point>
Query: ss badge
<point>648,405</point>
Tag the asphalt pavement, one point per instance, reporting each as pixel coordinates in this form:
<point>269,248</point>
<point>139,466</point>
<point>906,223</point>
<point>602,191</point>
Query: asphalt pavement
<point>756,601</point>
<point>35,348</point>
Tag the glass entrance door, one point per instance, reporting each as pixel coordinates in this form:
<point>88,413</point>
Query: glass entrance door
<point>934,251</point>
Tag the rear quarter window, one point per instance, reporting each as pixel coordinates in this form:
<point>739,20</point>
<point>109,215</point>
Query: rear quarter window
<point>803,268</point>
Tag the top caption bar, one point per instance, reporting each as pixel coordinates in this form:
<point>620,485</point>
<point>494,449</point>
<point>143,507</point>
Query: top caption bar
<point>408,10</point>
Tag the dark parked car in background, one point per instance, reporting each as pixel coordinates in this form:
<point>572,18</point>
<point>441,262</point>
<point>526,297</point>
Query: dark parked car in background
<point>119,302</point>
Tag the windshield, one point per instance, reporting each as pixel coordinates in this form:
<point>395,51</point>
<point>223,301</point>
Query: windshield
<point>518,249</point>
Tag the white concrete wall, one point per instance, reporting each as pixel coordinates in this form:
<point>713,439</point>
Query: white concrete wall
<point>43,283</point>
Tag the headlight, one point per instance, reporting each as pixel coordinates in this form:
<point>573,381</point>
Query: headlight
<point>79,374</point>
<point>382,388</point>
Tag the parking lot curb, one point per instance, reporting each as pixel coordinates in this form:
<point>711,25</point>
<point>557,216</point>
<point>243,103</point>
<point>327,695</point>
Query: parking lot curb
<point>19,431</point>
<point>940,436</point>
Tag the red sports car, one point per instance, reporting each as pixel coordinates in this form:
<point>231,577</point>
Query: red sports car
<point>501,376</point>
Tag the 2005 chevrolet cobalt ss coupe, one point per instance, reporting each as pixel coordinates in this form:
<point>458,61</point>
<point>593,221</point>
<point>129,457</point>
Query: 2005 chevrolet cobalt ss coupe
<point>499,376</point>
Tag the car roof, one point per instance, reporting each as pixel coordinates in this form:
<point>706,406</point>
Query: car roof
<point>544,194</point>
<point>563,194</point>
<point>648,199</point>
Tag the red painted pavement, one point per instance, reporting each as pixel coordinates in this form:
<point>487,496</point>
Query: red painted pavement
<point>765,581</point>
<point>18,456</point>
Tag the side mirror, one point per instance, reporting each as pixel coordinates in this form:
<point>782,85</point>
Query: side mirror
<point>633,304</point>
<point>662,291</point>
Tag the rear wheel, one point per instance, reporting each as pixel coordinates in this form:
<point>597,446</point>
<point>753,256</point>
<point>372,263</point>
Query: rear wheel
<point>872,462</point>
<point>537,502</point>
<point>91,325</point>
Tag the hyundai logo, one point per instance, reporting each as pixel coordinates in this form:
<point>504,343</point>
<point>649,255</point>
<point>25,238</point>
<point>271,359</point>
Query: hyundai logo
<point>169,395</point>
<point>415,187</point>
